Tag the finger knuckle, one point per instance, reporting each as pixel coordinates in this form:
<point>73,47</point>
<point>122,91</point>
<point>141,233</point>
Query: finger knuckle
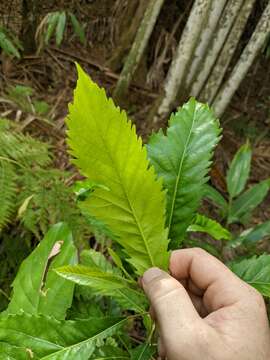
<point>162,288</point>
<point>199,251</point>
<point>258,298</point>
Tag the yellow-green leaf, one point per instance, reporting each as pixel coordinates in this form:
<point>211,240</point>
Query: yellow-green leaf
<point>108,151</point>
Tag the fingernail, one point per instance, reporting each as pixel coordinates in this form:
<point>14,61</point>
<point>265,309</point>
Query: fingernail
<point>151,274</point>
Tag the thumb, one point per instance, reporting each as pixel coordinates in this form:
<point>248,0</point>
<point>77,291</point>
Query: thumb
<point>173,308</point>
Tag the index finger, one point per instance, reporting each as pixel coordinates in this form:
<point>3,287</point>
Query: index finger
<point>221,287</point>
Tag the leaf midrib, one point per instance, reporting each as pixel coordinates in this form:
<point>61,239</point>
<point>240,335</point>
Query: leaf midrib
<point>81,343</point>
<point>143,351</point>
<point>179,172</point>
<point>130,300</point>
<point>126,196</point>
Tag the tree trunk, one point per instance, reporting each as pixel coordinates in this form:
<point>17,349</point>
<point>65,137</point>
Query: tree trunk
<point>215,13</point>
<point>249,54</point>
<point>213,83</point>
<point>127,23</point>
<point>137,49</point>
<point>178,70</point>
<point>30,12</point>
<point>230,12</point>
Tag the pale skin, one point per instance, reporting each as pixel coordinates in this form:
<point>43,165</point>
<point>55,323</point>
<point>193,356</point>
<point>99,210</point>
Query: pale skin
<point>205,312</point>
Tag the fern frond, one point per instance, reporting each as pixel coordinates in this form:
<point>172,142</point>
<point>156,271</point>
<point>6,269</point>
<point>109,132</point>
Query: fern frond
<point>107,150</point>
<point>24,149</point>
<point>182,158</point>
<point>7,191</point>
<point>51,202</point>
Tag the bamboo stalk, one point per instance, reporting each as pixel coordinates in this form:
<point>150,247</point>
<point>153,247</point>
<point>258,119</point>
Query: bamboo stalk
<point>127,17</point>
<point>207,34</point>
<point>141,40</point>
<point>215,79</point>
<point>249,54</point>
<point>182,58</point>
<point>230,12</point>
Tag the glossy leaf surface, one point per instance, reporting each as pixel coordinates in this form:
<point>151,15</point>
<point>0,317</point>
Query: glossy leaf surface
<point>182,158</point>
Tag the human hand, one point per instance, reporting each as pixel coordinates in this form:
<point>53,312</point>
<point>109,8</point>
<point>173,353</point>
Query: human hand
<point>205,312</point>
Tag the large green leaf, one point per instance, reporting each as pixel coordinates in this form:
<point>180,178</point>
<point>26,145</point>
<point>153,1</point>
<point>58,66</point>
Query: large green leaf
<point>143,352</point>
<point>107,151</point>
<point>107,284</point>
<point>243,206</point>
<point>182,158</point>
<point>48,339</point>
<point>238,172</point>
<point>255,271</point>
<point>213,228</point>
<point>252,236</point>
<point>37,289</point>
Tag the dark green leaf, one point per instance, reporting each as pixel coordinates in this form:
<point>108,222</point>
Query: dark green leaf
<point>182,158</point>
<point>247,202</point>
<point>238,172</point>
<point>255,271</point>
